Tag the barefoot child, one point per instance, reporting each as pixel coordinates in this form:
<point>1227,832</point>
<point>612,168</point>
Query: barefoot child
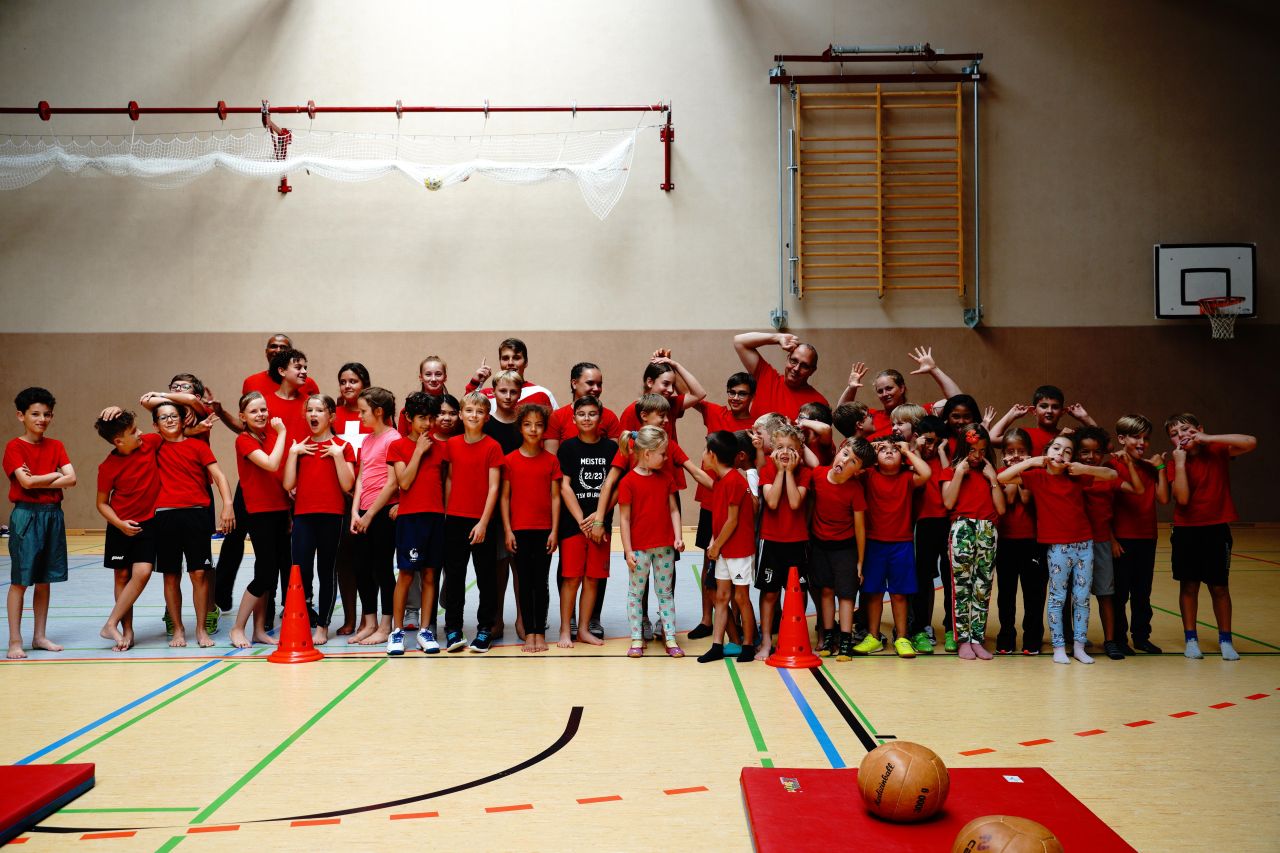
<point>584,527</point>
<point>417,465</point>
<point>373,515</point>
<point>1057,485</point>
<point>38,470</point>
<point>1202,516</point>
<point>784,534</point>
<point>733,514</point>
<point>503,427</point>
<point>259,454</point>
<point>1134,526</point>
<point>530,520</point>
<point>320,472</point>
<point>353,378</point>
<point>651,535</point>
<point>128,485</point>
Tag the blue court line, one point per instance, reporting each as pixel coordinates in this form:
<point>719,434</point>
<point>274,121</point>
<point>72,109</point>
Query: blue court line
<point>833,755</point>
<point>122,709</point>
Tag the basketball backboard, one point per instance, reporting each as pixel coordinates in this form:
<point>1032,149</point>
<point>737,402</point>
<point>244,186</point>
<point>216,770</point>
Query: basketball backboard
<point>1187,272</point>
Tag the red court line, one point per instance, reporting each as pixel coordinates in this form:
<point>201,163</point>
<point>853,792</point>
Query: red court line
<point>612,798</point>
<point>90,836</point>
<point>982,751</point>
<point>198,829</point>
<point>1251,557</point>
<point>671,791</point>
<point>22,840</point>
<point>1181,714</point>
<point>412,815</point>
<point>1137,723</point>
<point>1039,742</point>
<point>326,821</point>
<point>1258,696</point>
<point>1091,733</point>
<point>1222,705</point>
<point>516,808</point>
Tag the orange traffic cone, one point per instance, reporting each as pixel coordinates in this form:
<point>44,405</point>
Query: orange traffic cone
<point>793,650</point>
<point>295,628</point>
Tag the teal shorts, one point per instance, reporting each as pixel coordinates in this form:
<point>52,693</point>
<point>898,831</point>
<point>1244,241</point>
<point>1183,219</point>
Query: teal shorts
<point>37,544</point>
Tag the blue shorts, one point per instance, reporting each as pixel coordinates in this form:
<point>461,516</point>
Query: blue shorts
<point>889,567</point>
<point>37,544</point>
<point>419,541</point>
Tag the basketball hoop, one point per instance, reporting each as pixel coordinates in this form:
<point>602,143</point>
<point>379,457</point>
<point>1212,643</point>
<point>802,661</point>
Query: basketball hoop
<point>1222,312</point>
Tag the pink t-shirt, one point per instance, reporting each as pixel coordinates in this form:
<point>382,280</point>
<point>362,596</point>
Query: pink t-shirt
<point>373,466</point>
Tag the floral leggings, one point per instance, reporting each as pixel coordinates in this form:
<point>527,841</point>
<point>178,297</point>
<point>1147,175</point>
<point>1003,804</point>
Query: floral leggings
<point>662,562</point>
<point>1073,563</point>
<point>973,555</point>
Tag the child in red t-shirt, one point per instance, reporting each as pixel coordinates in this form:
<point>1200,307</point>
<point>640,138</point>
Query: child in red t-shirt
<point>531,521</point>
<point>353,378</point>
<point>259,454</point>
<point>975,500</point>
<point>1202,516</point>
<point>1049,405</point>
<point>320,472</point>
<point>784,483</point>
<point>38,470</point>
<point>1018,558</point>
<point>1134,526</point>
<point>1057,485</point>
<point>651,536</point>
<point>732,549</point>
<point>928,435</point>
<point>128,485</point>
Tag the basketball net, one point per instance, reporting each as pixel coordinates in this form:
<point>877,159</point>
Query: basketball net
<point>1222,312</point>
<point>597,161</point>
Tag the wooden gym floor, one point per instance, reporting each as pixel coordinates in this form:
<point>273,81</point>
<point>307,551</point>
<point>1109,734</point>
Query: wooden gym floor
<point>587,750</point>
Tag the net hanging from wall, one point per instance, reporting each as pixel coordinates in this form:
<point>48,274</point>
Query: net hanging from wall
<point>599,162</point>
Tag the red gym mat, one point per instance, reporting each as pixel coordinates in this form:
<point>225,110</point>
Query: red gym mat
<point>31,792</point>
<point>801,809</point>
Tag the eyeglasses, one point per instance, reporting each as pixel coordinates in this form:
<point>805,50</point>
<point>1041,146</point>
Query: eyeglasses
<point>182,386</point>
<point>173,417</point>
<point>738,393</point>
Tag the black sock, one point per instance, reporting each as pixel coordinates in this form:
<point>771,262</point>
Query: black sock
<point>715,653</point>
<point>747,655</point>
<point>700,630</point>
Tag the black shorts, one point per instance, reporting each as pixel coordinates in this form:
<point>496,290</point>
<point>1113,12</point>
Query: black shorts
<point>703,538</point>
<point>183,533</point>
<point>420,541</point>
<point>122,552</point>
<point>776,560</point>
<point>1202,554</point>
<point>834,566</point>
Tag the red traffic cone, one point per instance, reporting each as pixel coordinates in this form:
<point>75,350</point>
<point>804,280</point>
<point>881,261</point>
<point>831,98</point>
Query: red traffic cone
<point>793,650</point>
<point>295,628</point>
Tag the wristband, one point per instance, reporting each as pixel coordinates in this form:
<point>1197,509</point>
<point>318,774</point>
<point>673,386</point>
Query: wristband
<point>597,524</point>
<point>1161,467</point>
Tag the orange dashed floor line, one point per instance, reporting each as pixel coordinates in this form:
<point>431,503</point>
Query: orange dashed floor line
<point>412,815</point>
<point>196,830</point>
<point>612,798</point>
<point>327,821</point>
<point>672,791</point>
<point>516,808</point>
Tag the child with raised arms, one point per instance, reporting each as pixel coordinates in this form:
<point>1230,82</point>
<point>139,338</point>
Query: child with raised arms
<point>585,526</point>
<point>651,535</point>
<point>1202,516</point>
<point>931,533</point>
<point>128,485</point>
<point>891,388</point>
<point>1048,402</point>
<point>889,565</point>
<point>975,500</point>
<point>417,465</point>
<point>1134,526</point>
<point>471,490</point>
<point>373,515</point>
<point>784,535</point>
<point>38,469</point>
<point>531,519</point>
<point>838,542</point>
<point>732,550</point>
<point>1018,558</point>
<point>320,472</point>
<point>1057,485</point>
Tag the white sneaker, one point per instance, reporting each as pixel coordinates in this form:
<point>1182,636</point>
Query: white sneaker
<point>646,630</point>
<point>427,642</point>
<point>410,618</point>
<point>395,643</point>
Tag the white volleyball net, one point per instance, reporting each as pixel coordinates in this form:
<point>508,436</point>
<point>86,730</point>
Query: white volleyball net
<point>599,162</point>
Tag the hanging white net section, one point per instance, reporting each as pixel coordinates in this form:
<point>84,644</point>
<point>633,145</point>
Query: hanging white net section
<point>598,161</point>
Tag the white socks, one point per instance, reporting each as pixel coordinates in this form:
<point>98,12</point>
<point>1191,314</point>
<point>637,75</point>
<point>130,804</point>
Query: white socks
<point>1060,655</point>
<point>1228,652</point>
<point>1193,651</point>
<point>1079,654</point>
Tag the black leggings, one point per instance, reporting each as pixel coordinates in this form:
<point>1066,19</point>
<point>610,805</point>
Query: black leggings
<point>318,534</point>
<point>931,551</point>
<point>270,532</point>
<point>1019,563</point>
<point>374,571</point>
<point>231,553</point>
<point>484,555</point>
<point>1134,571</point>
<point>533,565</point>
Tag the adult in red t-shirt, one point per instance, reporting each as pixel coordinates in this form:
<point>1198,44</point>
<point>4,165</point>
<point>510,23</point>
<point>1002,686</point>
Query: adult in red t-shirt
<point>264,382</point>
<point>891,388</point>
<point>585,380</point>
<point>786,392</point>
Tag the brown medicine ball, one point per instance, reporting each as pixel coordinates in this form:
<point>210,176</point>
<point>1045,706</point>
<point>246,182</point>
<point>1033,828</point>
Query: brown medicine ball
<point>903,782</point>
<point>999,833</point>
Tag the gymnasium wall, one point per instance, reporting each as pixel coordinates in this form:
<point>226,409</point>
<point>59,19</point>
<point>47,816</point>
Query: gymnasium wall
<point>1105,128</point>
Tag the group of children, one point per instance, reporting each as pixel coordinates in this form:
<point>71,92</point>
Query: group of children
<point>353,489</point>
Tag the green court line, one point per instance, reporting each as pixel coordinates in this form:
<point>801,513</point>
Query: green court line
<point>756,735</point>
<point>440,610</point>
<point>1215,627</point>
<point>129,811</point>
<point>277,752</point>
<point>170,844</point>
<point>861,716</point>
<point>696,571</point>
<point>113,732</point>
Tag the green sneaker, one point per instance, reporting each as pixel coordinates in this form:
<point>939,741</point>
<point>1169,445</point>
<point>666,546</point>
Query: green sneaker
<point>168,624</point>
<point>211,622</point>
<point>869,645</point>
<point>949,641</point>
<point>922,644</point>
<point>904,648</point>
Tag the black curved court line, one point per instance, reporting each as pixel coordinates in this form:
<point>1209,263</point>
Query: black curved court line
<point>858,729</point>
<point>570,731</point>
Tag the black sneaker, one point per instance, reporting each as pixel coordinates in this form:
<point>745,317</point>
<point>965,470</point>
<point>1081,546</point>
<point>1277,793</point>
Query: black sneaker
<point>454,641</point>
<point>1113,650</point>
<point>829,644</point>
<point>1126,648</point>
<point>481,643</point>
<point>595,629</point>
<point>700,631</point>
<point>845,651</point>
<point>1148,647</point>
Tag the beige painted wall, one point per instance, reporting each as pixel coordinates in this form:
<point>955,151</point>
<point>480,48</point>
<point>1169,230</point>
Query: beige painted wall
<point>1106,127</point>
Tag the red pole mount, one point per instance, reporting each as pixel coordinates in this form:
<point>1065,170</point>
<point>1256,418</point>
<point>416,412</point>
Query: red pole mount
<point>667,134</point>
<point>42,109</point>
<point>284,186</point>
